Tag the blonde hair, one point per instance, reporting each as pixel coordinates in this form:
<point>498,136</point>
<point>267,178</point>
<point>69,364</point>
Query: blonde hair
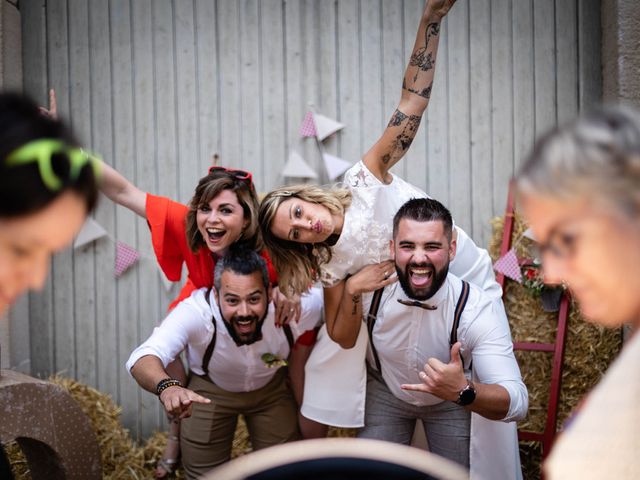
<point>597,157</point>
<point>298,264</point>
<point>209,187</point>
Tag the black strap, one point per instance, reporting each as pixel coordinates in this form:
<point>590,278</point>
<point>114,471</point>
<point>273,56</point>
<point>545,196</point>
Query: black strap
<point>453,337</point>
<point>462,302</point>
<point>371,320</point>
<point>209,351</point>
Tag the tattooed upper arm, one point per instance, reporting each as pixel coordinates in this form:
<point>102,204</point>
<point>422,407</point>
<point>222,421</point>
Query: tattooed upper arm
<point>401,141</point>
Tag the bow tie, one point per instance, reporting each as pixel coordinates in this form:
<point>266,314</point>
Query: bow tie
<point>416,303</point>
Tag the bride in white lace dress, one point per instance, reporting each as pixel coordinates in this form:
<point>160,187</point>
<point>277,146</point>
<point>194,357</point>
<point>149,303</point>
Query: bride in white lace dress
<point>341,236</point>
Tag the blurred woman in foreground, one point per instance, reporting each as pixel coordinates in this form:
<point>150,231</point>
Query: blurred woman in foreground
<point>580,192</point>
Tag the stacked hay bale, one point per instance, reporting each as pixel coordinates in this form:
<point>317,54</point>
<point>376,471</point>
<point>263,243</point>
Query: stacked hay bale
<point>588,353</point>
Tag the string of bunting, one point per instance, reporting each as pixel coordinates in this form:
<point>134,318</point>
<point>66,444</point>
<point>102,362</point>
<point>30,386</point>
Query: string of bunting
<point>321,127</point>
<point>126,255</point>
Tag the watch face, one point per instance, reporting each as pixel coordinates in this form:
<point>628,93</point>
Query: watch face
<point>467,396</point>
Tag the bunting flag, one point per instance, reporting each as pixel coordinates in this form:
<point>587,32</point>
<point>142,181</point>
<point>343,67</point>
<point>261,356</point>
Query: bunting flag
<point>325,126</point>
<point>529,234</point>
<point>165,281</point>
<point>308,128</point>
<point>126,256</point>
<point>335,166</point>
<point>297,167</point>
<point>509,266</point>
<point>90,231</point>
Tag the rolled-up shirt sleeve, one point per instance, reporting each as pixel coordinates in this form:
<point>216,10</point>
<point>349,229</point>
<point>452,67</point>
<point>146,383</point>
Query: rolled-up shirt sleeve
<point>311,306</point>
<point>489,339</point>
<point>186,324</point>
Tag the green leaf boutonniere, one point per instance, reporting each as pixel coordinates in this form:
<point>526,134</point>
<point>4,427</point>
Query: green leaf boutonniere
<point>273,361</point>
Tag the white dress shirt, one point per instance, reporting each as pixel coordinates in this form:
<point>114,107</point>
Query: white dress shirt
<point>405,337</point>
<point>234,368</point>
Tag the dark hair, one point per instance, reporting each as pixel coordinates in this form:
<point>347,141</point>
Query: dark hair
<point>22,190</point>
<point>243,261</point>
<point>209,187</point>
<point>424,210</point>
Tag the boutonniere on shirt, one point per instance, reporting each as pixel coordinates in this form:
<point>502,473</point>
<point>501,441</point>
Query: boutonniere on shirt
<point>273,361</point>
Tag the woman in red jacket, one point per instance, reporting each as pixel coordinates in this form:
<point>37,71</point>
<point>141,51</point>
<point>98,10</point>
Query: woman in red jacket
<point>223,211</point>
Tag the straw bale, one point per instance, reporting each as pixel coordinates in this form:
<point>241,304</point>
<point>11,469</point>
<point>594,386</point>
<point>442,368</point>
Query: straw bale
<point>589,349</point>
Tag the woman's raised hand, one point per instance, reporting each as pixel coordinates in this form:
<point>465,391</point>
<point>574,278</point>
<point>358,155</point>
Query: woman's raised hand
<point>439,8</point>
<point>372,277</point>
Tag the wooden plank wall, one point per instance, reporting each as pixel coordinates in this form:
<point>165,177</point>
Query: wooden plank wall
<point>157,87</point>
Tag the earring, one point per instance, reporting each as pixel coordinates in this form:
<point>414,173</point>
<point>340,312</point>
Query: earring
<point>314,251</point>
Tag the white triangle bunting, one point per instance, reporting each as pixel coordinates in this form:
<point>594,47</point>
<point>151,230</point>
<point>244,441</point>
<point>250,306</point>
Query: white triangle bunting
<point>325,126</point>
<point>335,166</point>
<point>90,232</point>
<point>297,167</point>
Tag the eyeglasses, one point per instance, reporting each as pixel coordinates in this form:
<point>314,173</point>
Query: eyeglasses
<point>41,151</point>
<point>561,244</point>
<point>239,174</point>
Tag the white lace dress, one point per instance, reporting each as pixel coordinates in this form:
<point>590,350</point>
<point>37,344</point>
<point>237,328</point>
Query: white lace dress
<point>335,380</point>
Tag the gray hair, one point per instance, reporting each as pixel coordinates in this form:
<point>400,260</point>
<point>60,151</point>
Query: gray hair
<point>597,156</point>
<point>242,261</point>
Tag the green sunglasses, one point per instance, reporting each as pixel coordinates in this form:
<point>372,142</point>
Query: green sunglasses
<point>41,151</point>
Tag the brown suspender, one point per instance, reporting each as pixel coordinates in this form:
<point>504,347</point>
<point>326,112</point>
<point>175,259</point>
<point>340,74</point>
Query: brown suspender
<point>209,351</point>
<point>453,337</point>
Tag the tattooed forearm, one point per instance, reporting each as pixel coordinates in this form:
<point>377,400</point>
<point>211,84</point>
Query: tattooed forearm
<point>355,299</point>
<point>433,30</point>
<point>425,92</point>
<point>402,142</point>
<point>397,118</point>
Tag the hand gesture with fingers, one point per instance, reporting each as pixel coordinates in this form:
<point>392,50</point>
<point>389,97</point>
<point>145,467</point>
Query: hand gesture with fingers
<point>372,277</point>
<point>52,112</point>
<point>288,309</point>
<point>177,401</point>
<point>444,380</point>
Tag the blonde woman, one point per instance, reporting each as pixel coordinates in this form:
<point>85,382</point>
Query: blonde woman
<point>341,236</point>
<point>580,191</point>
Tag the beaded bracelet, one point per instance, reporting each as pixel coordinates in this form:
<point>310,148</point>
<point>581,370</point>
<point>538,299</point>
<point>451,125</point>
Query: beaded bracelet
<point>166,383</point>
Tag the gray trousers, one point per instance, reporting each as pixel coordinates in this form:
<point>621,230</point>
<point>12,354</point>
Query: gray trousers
<point>446,424</point>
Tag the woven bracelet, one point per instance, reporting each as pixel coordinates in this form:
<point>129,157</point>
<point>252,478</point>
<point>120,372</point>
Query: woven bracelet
<point>166,383</point>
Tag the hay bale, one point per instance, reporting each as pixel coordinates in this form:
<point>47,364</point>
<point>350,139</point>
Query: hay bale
<point>589,349</point>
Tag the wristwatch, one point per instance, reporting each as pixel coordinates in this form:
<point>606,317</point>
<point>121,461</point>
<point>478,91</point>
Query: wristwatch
<point>467,395</point>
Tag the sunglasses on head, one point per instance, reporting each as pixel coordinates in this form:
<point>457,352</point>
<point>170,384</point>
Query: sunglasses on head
<point>239,174</point>
<point>41,151</point>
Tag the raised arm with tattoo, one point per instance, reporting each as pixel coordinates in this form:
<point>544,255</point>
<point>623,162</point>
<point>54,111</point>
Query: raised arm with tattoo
<point>416,92</point>
<point>343,310</point>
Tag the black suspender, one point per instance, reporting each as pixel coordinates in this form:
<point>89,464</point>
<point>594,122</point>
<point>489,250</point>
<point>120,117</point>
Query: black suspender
<point>209,351</point>
<point>453,336</point>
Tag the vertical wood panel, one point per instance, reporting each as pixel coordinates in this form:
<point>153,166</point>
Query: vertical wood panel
<point>438,126</point>
<point>102,141</point>
<point>62,270</point>
<point>501,107</point>
<point>458,94</point>
<point>34,64</point>
<point>128,305</point>
<point>371,115</point>
<point>272,96</point>
<point>544,65</point>
<point>158,86</point>
<point>207,77</point>
<point>480,109</point>
<point>80,115</point>
<point>523,80</point>
<point>188,173</point>
<point>589,60</point>
<point>566,59</point>
<point>146,179</point>
<point>348,60</point>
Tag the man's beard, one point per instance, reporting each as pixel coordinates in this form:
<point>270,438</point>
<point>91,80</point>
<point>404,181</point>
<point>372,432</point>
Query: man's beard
<point>437,279</point>
<point>253,337</point>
